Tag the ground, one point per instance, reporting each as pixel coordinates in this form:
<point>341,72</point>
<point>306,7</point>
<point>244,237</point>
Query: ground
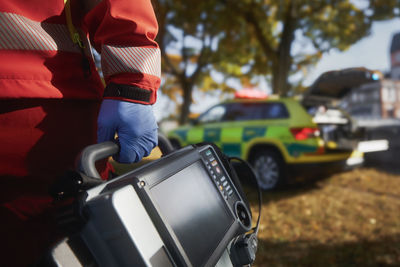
<point>346,219</point>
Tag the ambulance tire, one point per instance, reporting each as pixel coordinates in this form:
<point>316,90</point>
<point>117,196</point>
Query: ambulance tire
<point>270,170</point>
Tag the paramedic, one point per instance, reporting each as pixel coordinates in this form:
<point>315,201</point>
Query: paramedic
<point>53,102</point>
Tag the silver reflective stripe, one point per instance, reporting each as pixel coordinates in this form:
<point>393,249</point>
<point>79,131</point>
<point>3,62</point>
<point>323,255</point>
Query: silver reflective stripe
<point>130,59</point>
<point>20,33</point>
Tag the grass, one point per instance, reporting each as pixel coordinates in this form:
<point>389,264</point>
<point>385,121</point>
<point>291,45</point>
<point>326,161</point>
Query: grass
<point>347,219</point>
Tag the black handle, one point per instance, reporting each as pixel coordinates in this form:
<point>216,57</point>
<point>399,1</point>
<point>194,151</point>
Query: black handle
<point>164,144</point>
<point>91,154</point>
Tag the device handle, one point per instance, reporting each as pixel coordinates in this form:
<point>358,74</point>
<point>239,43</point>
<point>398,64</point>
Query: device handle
<point>164,144</point>
<point>91,154</point>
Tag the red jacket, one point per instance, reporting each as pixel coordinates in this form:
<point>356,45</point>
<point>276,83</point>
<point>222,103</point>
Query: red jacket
<point>39,137</point>
<point>39,59</point>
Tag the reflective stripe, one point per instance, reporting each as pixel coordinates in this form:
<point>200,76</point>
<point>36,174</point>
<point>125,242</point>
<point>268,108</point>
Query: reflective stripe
<point>130,59</point>
<point>20,33</point>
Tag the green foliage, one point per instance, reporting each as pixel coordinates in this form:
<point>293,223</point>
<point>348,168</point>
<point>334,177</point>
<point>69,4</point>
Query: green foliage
<point>189,35</point>
<point>276,25</point>
<point>247,39</point>
<point>384,9</point>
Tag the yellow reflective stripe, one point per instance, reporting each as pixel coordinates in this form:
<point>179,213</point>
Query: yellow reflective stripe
<point>20,33</point>
<point>232,134</point>
<point>117,59</point>
<point>194,135</point>
<point>278,132</point>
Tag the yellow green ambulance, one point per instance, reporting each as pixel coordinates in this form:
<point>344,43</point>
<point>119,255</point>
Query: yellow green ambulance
<point>276,135</point>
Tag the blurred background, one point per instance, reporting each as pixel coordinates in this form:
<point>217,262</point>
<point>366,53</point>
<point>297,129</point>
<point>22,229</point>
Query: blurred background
<point>214,48</point>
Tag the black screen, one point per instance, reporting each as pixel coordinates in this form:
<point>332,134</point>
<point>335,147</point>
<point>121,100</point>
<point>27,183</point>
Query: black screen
<point>190,203</point>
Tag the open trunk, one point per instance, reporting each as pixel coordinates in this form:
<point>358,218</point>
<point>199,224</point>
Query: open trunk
<point>322,99</point>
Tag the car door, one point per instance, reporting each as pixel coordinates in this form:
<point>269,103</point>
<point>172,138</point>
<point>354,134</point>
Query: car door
<point>207,128</point>
<point>222,125</point>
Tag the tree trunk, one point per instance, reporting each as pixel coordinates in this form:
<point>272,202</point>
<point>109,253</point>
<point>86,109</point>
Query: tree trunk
<point>187,101</point>
<point>283,64</point>
<point>280,74</point>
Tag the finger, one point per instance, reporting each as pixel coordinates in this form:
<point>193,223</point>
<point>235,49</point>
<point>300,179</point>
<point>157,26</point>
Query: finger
<point>128,151</point>
<point>105,133</point>
<point>134,149</point>
<point>148,141</point>
<point>106,121</point>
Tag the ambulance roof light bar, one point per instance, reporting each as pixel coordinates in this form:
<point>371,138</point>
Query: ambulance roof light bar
<point>250,93</point>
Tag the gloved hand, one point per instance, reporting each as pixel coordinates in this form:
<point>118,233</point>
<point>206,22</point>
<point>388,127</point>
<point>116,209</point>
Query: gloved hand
<point>134,124</point>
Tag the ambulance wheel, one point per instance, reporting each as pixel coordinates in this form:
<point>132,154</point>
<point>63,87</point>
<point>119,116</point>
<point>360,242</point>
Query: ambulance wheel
<point>269,168</point>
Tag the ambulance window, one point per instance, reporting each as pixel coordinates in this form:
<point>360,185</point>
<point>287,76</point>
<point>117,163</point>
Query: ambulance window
<point>275,111</point>
<point>255,111</point>
<point>214,114</point>
<point>241,112</point>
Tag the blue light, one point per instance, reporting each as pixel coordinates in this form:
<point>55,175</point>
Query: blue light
<point>375,76</point>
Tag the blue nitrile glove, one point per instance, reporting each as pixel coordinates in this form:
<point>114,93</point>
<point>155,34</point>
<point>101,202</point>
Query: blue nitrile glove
<point>134,124</point>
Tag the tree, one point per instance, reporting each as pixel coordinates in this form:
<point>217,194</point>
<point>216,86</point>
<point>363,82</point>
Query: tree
<point>188,42</point>
<point>275,39</point>
<point>276,25</point>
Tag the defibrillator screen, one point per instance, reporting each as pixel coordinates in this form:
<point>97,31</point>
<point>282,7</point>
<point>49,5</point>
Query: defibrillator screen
<point>192,206</point>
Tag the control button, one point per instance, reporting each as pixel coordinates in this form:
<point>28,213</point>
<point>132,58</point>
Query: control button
<point>208,152</point>
<point>212,172</point>
<point>221,188</point>
<point>208,167</point>
<point>214,163</point>
<point>211,159</point>
<point>214,176</point>
<point>230,192</point>
<point>228,187</point>
<point>223,178</point>
<point>225,183</point>
<point>218,169</point>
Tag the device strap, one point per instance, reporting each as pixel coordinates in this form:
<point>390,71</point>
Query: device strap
<point>77,38</point>
<point>73,32</point>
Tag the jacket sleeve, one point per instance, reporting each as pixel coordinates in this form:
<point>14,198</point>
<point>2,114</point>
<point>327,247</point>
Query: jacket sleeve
<point>124,33</point>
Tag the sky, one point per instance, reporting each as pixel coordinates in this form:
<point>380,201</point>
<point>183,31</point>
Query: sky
<point>372,52</point>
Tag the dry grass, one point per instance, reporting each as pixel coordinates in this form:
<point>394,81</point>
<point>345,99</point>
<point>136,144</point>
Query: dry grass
<point>348,219</point>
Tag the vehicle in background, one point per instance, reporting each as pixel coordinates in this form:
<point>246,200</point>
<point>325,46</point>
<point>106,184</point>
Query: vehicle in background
<point>276,135</point>
<point>349,104</point>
